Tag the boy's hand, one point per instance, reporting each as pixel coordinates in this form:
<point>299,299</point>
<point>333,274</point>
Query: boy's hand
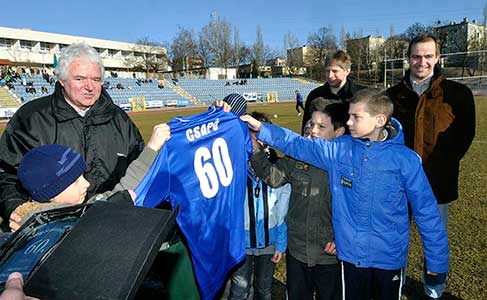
<point>26,210</point>
<point>160,134</point>
<point>277,257</point>
<point>330,248</point>
<point>253,124</point>
<point>221,103</point>
<point>14,288</point>
<point>15,221</point>
<point>132,195</point>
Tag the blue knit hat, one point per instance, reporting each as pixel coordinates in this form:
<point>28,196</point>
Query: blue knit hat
<point>45,171</point>
<point>237,102</point>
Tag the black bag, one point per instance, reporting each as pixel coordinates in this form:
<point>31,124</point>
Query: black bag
<point>89,251</point>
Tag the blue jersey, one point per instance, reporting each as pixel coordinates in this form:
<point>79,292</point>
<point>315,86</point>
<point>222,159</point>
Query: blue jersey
<point>203,169</point>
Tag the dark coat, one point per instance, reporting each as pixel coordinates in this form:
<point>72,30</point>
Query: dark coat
<point>308,219</point>
<point>440,126</point>
<point>344,94</point>
<point>106,138</point>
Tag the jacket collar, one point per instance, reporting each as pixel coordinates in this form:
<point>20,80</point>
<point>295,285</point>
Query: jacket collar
<point>407,81</point>
<point>101,112</point>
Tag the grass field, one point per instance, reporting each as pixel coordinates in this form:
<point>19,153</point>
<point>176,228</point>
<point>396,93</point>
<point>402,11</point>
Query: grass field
<point>468,216</point>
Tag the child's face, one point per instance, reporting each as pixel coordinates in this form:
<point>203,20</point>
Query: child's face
<point>73,194</point>
<point>361,124</point>
<point>322,127</point>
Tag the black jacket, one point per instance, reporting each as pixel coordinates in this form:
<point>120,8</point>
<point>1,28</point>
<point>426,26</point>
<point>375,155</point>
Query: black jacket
<point>445,99</point>
<point>344,94</point>
<point>106,138</point>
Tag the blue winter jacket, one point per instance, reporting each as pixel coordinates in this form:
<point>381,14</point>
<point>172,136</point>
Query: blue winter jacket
<point>371,184</point>
<point>273,214</point>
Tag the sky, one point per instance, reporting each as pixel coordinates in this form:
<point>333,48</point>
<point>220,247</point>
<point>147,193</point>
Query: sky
<point>128,21</point>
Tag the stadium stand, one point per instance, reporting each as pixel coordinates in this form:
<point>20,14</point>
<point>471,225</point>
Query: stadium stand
<point>208,91</point>
<point>127,88</point>
<point>7,100</point>
<point>186,92</point>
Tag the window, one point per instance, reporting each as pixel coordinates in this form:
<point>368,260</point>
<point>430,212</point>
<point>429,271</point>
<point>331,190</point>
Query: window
<point>5,43</point>
<point>126,54</point>
<point>62,46</point>
<point>112,53</point>
<point>26,45</point>
<point>45,47</point>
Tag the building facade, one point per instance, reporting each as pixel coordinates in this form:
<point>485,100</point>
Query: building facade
<point>25,47</point>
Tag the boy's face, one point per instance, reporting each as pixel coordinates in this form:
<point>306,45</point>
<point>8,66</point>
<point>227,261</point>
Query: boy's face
<point>73,194</point>
<point>322,127</point>
<point>335,75</point>
<point>361,124</point>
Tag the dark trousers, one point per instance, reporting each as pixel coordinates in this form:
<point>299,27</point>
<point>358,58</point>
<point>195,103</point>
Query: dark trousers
<point>303,281</point>
<point>371,283</point>
<point>263,270</point>
<point>298,105</point>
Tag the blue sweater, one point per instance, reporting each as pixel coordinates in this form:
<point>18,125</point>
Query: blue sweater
<point>273,214</point>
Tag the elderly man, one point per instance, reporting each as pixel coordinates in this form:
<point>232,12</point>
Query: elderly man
<point>79,114</point>
<point>337,86</point>
<point>438,117</point>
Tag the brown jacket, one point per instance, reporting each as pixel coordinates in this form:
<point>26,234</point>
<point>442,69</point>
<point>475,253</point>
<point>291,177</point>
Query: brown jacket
<point>440,126</point>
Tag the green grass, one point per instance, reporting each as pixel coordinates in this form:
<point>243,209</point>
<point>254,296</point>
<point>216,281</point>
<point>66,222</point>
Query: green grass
<point>468,215</point>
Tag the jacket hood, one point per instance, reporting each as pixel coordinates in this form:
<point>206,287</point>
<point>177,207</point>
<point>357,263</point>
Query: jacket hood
<point>395,133</point>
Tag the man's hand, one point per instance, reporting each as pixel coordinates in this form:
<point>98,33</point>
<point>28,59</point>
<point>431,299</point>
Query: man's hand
<point>253,124</point>
<point>14,288</point>
<point>277,257</point>
<point>330,248</point>
<point>160,134</point>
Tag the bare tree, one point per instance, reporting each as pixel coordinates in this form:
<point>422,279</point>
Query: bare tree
<point>344,36</point>
<point>241,53</point>
<point>183,47</point>
<point>204,48</point>
<point>415,30</point>
<point>218,33</point>
<point>320,44</point>
<point>149,56</point>
<point>258,47</point>
<point>290,42</point>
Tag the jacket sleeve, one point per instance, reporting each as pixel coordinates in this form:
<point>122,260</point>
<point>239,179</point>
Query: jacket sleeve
<point>136,170</point>
<point>136,146</point>
<point>13,144</point>
<point>427,217</point>
<point>274,175</point>
<point>283,195</point>
<point>307,110</point>
<point>315,151</point>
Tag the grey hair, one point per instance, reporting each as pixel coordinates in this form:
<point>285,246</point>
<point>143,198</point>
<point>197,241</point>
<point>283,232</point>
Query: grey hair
<point>77,51</point>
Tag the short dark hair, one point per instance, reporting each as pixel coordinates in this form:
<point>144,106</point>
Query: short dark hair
<point>336,110</point>
<point>260,116</point>
<point>341,58</point>
<point>423,38</point>
<point>376,102</point>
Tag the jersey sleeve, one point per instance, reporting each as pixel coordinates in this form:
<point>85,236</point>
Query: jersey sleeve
<point>155,186</point>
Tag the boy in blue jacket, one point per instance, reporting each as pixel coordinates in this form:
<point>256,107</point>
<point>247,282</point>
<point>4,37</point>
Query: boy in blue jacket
<point>373,176</point>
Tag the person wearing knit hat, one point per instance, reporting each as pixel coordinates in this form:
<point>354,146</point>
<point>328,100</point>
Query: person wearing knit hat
<point>237,103</point>
<point>54,173</point>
